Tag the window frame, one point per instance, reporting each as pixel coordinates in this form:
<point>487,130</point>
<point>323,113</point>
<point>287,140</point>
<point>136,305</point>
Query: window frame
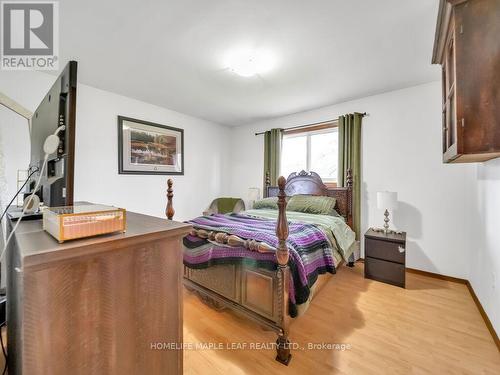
<point>308,132</point>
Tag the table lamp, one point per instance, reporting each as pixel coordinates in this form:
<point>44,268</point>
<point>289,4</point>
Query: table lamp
<point>387,200</point>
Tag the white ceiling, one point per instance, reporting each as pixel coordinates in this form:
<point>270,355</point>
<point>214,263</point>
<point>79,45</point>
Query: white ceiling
<point>170,52</point>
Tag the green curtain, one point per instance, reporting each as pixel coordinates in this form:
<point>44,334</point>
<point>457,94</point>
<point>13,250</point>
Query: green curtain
<point>350,157</point>
<point>272,155</point>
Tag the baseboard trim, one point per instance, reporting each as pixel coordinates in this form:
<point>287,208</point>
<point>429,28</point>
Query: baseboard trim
<point>484,315</point>
<point>437,276</point>
<point>465,282</point>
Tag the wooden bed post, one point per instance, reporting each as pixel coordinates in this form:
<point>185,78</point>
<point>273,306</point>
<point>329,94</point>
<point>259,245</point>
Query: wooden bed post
<point>267,183</point>
<point>283,273</point>
<point>170,194</point>
<point>349,185</point>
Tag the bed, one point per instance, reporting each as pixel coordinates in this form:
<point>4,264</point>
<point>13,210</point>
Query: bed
<point>265,263</point>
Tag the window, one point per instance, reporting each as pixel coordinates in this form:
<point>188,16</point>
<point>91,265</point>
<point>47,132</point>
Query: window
<point>313,150</point>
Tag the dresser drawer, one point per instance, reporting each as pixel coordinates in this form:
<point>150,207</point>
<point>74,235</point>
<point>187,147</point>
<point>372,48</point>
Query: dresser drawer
<point>385,271</point>
<point>385,250</point>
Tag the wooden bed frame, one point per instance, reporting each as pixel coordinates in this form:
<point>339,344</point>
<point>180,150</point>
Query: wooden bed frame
<point>258,293</point>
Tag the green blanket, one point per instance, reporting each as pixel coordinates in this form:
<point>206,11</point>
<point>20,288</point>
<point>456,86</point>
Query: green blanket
<point>338,232</point>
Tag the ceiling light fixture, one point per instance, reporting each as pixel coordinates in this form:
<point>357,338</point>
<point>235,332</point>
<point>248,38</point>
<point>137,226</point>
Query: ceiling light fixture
<point>248,63</point>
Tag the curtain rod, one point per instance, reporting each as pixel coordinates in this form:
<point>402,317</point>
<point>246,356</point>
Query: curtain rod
<point>314,124</point>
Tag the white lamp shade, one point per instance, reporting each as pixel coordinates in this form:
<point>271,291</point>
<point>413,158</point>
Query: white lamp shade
<point>253,194</point>
<point>387,200</point>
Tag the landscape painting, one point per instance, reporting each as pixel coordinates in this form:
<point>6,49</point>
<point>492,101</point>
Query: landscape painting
<point>149,148</point>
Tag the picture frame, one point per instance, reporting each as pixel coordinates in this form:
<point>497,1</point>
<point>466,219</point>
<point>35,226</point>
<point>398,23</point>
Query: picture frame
<point>149,148</point>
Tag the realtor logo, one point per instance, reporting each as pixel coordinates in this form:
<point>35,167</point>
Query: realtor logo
<point>30,35</point>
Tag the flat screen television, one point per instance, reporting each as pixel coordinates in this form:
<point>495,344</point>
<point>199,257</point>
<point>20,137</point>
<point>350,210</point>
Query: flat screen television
<point>57,108</point>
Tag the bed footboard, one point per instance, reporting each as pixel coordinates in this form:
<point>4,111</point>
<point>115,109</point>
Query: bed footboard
<point>257,293</point>
<point>253,288</point>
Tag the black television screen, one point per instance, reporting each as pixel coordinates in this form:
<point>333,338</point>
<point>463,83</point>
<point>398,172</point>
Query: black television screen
<point>57,108</point>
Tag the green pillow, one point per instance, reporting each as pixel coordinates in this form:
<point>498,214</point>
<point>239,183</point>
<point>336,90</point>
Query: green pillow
<point>312,204</point>
<point>266,203</point>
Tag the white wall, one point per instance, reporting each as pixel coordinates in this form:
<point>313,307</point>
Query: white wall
<point>14,152</point>
<point>484,238</point>
<point>96,168</point>
<point>96,171</point>
<point>28,89</point>
<point>401,152</point>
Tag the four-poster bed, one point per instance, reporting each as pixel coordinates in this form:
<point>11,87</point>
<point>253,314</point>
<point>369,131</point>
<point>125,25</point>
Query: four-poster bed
<point>260,293</point>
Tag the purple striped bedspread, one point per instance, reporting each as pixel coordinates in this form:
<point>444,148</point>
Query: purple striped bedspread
<point>310,251</point>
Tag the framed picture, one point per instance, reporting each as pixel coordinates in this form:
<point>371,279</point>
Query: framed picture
<point>148,148</point>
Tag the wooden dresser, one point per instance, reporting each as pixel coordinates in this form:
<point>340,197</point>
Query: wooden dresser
<point>102,305</point>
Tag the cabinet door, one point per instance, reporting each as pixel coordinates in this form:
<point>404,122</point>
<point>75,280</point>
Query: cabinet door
<point>450,94</point>
<point>445,117</point>
<point>450,137</point>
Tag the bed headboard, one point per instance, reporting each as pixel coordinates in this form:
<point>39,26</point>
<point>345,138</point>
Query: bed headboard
<point>310,183</point>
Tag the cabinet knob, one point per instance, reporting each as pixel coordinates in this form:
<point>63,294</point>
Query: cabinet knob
<point>401,249</point>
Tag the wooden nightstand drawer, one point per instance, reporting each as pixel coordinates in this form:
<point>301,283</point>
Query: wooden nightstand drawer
<point>385,250</point>
<point>385,271</point>
<point>385,257</point>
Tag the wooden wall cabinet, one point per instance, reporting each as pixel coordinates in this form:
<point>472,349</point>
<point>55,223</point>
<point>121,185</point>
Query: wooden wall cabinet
<point>467,45</point>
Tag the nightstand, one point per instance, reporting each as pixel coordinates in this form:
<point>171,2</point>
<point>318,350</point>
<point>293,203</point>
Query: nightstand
<point>385,257</point>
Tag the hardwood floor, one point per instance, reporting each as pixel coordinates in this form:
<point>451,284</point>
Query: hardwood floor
<point>431,327</point>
